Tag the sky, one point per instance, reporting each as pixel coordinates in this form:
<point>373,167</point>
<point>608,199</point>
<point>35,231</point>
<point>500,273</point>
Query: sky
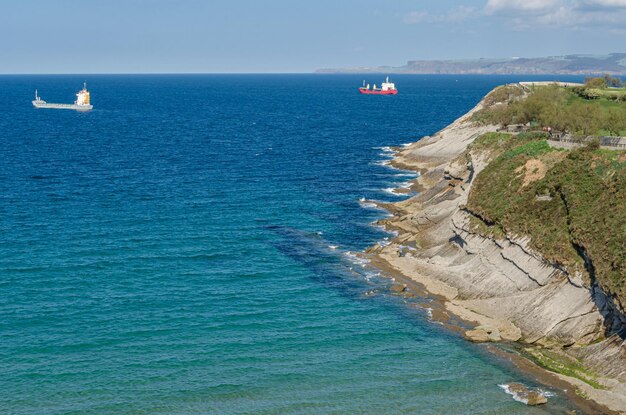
<point>256,36</point>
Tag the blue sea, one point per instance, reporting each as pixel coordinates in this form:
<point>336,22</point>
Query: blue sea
<point>187,247</point>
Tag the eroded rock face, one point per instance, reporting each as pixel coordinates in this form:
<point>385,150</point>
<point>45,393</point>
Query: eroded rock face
<point>507,280</point>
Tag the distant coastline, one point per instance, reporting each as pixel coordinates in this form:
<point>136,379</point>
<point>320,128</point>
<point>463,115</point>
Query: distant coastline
<point>613,64</point>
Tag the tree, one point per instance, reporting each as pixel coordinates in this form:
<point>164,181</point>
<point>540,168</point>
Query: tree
<point>595,83</point>
<point>614,121</point>
<point>612,82</point>
<point>584,119</point>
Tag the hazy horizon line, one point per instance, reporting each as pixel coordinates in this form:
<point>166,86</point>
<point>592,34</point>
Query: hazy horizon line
<point>283,73</point>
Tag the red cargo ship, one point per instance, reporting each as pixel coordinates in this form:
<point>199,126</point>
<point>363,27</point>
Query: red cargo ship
<point>387,88</point>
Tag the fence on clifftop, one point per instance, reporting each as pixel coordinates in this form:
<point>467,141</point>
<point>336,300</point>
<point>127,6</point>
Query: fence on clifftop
<point>558,140</point>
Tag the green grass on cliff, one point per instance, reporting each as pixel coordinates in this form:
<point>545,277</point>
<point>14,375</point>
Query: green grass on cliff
<point>563,109</point>
<point>572,204</point>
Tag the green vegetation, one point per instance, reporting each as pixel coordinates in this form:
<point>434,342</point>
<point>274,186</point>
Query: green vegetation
<point>504,93</point>
<point>493,142</point>
<point>479,226</point>
<point>606,88</point>
<point>605,82</point>
<point>564,365</point>
<point>572,204</point>
<point>592,109</point>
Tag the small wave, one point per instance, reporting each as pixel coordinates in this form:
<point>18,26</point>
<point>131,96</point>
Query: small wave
<point>386,149</point>
<point>356,259</point>
<point>522,395</point>
<point>515,395</point>
<point>384,242</point>
<point>391,232</point>
<point>333,247</point>
<point>393,191</point>
<point>369,276</point>
<point>370,204</point>
<point>387,164</point>
<point>429,312</point>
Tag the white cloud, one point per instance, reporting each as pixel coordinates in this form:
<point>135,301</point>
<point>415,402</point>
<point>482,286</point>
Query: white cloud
<point>524,14</point>
<point>524,5</point>
<point>456,14</point>
<point>529,13</point>
<point>415,17</point>
<point>460,13</point>
<point>608,3</point>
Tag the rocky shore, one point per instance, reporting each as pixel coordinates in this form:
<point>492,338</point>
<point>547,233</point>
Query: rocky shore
<point>508,291</point>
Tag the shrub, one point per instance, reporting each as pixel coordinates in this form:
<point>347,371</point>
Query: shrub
<point>559,108</point>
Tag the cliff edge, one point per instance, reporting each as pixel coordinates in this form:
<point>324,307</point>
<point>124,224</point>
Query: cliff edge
<point>488,271</point>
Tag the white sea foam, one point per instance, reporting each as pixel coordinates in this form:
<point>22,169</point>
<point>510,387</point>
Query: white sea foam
<point>518,397</point>
<point>387,164</point>
<point>371,275</point>
<point>393,191</point>
<point>384,242</point>
<point>370,204</point>
<point>356,259</point>
<point>429,312</point>
<point>388,231</point>
<point>386,149</point>
<point>333,247</point>
<point>515,396</point>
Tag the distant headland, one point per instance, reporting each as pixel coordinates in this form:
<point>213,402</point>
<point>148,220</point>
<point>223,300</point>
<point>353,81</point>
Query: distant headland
<point>614,64</point>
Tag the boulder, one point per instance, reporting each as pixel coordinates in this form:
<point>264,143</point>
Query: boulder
<point>477,335</point>
<point>483,334</point>
<point>535,398</point>
<point>523,394</point>
<point>398,288</point>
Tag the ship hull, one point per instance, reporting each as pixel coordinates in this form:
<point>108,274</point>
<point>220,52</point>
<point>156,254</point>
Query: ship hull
<point>62,106</point>
<point>378,91</point>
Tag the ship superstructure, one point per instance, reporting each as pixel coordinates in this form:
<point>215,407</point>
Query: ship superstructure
<point>387,88</point>
<point>82,103</point>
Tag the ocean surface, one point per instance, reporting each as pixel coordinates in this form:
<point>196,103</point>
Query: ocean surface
<point>188,248</point>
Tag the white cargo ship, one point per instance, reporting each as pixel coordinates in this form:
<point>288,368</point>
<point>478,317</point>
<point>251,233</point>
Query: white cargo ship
<point>82,102</point>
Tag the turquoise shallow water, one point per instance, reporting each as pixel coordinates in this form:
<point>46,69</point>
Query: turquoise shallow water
<point>184,249</point>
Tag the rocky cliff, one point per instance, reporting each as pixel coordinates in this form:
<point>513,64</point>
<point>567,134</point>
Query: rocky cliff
<point>564,65</point>
<point>499,281</point>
